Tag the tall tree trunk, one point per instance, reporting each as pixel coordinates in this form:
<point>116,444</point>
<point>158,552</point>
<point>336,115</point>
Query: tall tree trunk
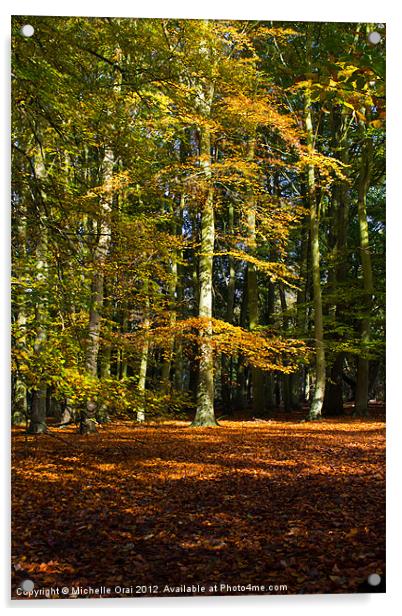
<point>124,362</point>
<point>333,400</point>
<point>363,366</point>
<point>172,293</point>
<point>226,361</point>
<point>88,415</point>
<point>178,351</point>
<point>37,419</point>
<point>105,349</point>
<point>87,419</point>
<point>302,320</point>
<point>205,415</point>
<point>167,360</point>
<point>319,388</point>
<point>287,379</point>
<point>205,392</point>
<point>142,375</point>
<point>241,396</point>
<point>20,405</point>
<point>269,389</point>
<point>257,376</point>
<point>106,361</point>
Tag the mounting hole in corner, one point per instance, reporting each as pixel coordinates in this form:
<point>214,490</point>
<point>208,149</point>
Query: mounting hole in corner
<point>27,585</point>
<point>374,579</point>
<point>374,38</point>
<point>27,30</point>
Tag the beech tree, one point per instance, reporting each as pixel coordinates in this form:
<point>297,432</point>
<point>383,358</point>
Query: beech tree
<point>198,219</point>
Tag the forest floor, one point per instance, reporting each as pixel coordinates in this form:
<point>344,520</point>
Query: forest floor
<point>155,506</point>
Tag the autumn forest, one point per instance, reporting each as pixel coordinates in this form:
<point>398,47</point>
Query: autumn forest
<point>198,306</point>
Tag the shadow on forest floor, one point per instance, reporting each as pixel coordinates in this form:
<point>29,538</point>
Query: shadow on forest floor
<point>252,502</point>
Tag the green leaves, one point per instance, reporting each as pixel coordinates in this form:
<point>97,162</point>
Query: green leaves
<point>83,87</point>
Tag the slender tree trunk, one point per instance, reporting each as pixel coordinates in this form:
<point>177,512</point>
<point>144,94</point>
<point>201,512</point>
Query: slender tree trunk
<point>257,376</point>
<point>226,361</point>
<point>269,388</point>
<point>205,415</point>
<point>302,320</point>
<point>88,421</point>
<point>142,375</point>
<point>37,419</point>
<point>363,366</point>
<point>319,389</point>
<point>167,361</point>
<point>105,349</point>
<point>88,415</point>
<point>106,361</point>
<point>172,293</point>
<point>333,403</point>
<point>333,400</point>
<point>241,397</point>
<point>178,353</point>
<point>124,362</point>
<point>287,379</point>
<point>20,405</point>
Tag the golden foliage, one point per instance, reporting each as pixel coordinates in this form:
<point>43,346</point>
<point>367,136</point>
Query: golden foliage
<point>276,271</point>
<point>259,349</point>
<point>329,168</point>
<point>263,111</point>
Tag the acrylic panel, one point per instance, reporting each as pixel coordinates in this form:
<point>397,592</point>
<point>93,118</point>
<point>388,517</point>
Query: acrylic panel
<point>198,309</point>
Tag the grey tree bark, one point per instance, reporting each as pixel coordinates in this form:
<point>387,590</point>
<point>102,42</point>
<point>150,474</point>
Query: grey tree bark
<point>257,376</point>
<point>88,415</point>
<point>319,388</point>
<point>37,416</point>
<point>142,374</point>
<point>205,415</point>
<point>226,361</point>
<point>363,365</point>
<point>20,404</point>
